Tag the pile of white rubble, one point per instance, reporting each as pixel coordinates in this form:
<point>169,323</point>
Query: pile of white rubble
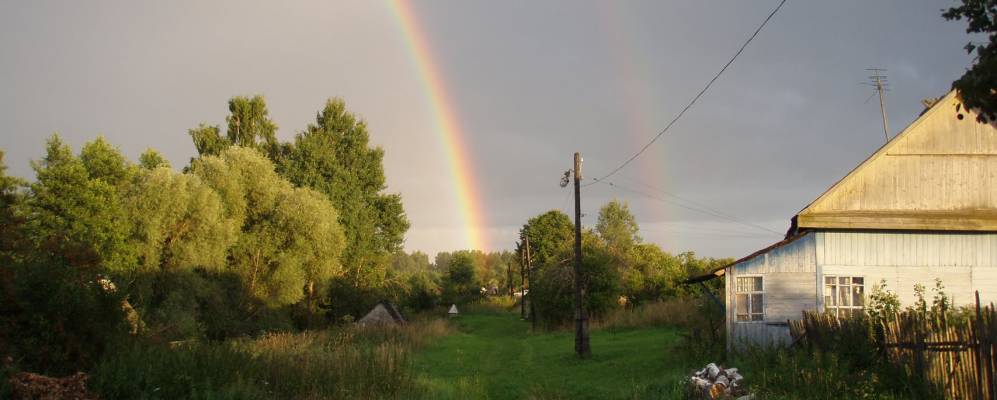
<point>714,382</point>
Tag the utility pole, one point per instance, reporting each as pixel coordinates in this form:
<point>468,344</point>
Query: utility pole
<point>508,278</point>
<point>582,347</point>
<point>522,278</point>
<point>878,81</point>
<point>529,278</point>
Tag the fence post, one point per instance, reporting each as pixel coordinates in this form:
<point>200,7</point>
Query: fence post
<point>977,343</point>
<point>982,333</point>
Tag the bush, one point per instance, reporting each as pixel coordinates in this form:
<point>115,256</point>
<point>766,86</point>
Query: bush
<point>781,373</point>
<point>552,287</point>
<point>348,301</point>
<point>422,293</point>
<point>460,282</point>
<point>62,319</point>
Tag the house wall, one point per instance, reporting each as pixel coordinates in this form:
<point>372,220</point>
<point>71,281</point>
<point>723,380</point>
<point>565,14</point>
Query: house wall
<point>793,274</point>
<point>790,285</point>
<point>965,262</point>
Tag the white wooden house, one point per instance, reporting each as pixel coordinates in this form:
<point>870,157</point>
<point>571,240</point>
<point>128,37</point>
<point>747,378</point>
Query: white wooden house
<point>923,206</point>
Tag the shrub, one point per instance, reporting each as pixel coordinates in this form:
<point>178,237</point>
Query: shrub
<point>552,288</point>
<point>63,318</point>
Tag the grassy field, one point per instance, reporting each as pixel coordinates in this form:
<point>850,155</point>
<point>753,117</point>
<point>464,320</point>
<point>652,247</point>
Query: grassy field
<point>494,356</point>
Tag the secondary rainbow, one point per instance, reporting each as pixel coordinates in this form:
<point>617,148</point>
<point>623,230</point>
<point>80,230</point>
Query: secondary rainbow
<point>640,104</point>
<point>447,124</point>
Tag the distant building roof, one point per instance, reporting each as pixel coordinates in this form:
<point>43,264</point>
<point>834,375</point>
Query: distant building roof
<point>383,313</point>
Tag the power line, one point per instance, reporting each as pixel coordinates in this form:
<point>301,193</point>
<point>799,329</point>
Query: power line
<point>694,99</point>
<point>703,210</point>
<point>702,233</point>
<point>709,210</point>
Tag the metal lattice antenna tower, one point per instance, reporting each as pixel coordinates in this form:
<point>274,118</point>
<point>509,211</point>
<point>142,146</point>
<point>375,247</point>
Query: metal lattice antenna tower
<point>879,82</point>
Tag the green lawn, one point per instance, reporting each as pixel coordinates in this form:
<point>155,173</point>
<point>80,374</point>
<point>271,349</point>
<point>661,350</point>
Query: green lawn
<point>494,356</point>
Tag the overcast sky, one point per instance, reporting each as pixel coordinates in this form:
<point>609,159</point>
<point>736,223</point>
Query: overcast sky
<point>532,82</point>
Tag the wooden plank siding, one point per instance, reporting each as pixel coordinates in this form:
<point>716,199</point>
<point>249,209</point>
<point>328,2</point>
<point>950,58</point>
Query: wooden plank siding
<point>788,280</point>
<point>793,274</point>
<point>938,174</point>
<point>965,262</point>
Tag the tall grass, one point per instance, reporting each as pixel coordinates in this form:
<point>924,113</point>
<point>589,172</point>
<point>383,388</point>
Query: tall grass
<point>795,373</point>
<point>350,362</point>
<point>492,304</point>
<point>700,320</point>
<point>673,312</point>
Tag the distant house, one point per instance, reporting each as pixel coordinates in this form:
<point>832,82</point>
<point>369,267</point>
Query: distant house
<point>384,313</point>
<point>924,206</point>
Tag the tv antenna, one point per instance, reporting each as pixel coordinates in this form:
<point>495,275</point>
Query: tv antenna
<point>878,81</point>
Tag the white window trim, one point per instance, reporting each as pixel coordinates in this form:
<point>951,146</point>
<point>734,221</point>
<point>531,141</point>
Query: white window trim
<point>764,298</point>
<point>823,287</point>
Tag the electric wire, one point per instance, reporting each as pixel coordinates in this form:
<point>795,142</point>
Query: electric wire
<point>704,208</point>
<point>716,214</point>
<point>694,99</point>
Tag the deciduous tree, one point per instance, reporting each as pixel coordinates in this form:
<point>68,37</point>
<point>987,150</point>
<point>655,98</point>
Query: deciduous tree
<point>978,86</point>
<point>617,226</point>
<point>289,238</point>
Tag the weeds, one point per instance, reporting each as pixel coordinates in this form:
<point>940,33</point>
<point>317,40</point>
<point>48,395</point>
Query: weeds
<point>352,362</point>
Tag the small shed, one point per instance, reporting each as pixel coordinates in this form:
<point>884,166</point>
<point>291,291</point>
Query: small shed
<point>384,313</point>
<point>922,207</point>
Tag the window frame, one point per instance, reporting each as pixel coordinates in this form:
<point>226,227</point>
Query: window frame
<point>750,310</point>
<point>837,308</point>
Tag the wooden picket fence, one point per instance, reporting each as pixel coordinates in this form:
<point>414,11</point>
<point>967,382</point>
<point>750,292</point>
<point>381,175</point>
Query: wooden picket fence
<point>957,358</point>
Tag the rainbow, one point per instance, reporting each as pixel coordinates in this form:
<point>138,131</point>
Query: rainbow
<point>641,106</point>
<point>447,125</point>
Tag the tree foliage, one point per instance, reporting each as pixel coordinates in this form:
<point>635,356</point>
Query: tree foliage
<point>179,222</point>
<point>618,268</point>
<point>460,283</point>
<point>151,159</point>
<point>75,208</point>
<point>547,233</point>
<point>334,156</point>
<point>552,288</point>
<point>241,241</point>
<point>248,125</point>
<point>978,86</point>
<point>617,226</point>
<point>289,237</point>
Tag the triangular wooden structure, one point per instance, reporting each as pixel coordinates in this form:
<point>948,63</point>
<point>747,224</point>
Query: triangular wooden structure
<point>383,313</point>
<point>935,175</point>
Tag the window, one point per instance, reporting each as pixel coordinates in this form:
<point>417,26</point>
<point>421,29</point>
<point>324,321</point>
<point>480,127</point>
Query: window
<point>844,296</point>
<point>749,299</point>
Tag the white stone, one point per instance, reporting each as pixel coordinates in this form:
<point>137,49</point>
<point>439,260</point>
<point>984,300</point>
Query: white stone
<point>713,370</point>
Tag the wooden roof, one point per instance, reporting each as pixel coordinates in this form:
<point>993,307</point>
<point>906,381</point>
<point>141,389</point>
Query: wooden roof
<point>721,270</point>
<point>940,173</point>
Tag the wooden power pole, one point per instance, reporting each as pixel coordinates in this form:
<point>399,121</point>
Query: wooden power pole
<point>582,347</point>
<point>529,278</point>
<point>522,278</point>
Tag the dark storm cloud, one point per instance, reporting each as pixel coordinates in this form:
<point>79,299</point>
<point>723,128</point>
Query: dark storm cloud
<point>532,82</point>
